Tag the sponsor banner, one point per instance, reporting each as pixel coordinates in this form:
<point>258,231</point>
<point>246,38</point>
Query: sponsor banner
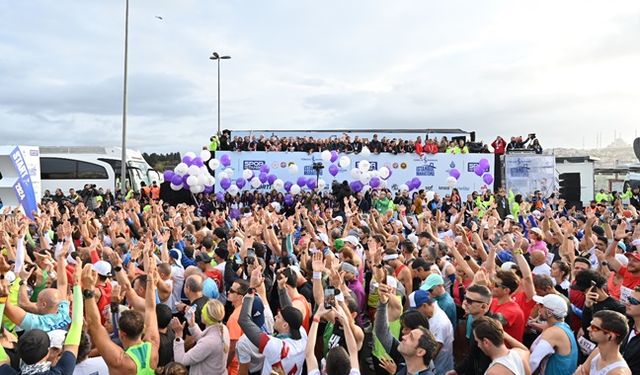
<point>431,170</point>
<point>524,174</point>
<point>22,159</point>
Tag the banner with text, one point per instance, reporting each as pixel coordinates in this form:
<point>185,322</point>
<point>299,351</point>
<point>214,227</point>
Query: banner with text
<point>24,187</point>
<point>431,170</point>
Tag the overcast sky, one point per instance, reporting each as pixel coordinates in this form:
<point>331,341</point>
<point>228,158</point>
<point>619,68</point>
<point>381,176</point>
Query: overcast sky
<point>565,70</point>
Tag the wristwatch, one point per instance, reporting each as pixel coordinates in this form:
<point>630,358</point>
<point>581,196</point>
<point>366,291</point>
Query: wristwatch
<point>117,268</point>
<point>88,294</point>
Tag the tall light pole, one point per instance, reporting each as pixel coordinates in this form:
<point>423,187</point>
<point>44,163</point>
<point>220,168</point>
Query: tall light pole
<point>216,56</point>
<point>123,168</point>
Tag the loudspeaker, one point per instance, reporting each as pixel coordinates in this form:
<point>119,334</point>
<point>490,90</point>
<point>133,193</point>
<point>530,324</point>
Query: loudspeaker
<point>472,136</point>
<point>570,188</point>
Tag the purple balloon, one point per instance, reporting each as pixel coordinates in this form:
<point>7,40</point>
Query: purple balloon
<point>240,183</point>
<point>220,197</point>
<point>455,173</point>
<point>225,160</point>
<point>334,156</point>
<point>301,181</point>
<point>479,170</point>
<point>356,186</point>
<point>234,213</point>
<point>263,177</point>
<point>288,185</point>
<point>176,180</point>
<point>225,183</point>
<point>264,168</point>
<point>333,169</point>
<point>271,178</point>
<point>487,178</point>
<point>288,200</point>
<point>197,161</point>
<point>187,160</point>
<point>409,184</point>
<point>311,183</point>
<point>208,189</point>
<point>484,162</point>
<point>375,182</point>
<point>168,175</point>
<point>416,182</point>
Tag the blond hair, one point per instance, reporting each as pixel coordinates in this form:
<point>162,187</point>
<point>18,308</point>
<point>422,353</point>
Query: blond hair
<point>214,310</point>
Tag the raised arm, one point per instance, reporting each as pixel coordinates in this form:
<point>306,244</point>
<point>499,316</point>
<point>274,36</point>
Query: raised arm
<point>151,333</point>
<point>72,341</point>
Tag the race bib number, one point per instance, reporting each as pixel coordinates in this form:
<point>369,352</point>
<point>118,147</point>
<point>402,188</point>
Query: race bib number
<point>625,293</point>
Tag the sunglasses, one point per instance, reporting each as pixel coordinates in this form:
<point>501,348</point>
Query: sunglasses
<point>470,301</point>
<point>595,328</point>
<point>633,301</point>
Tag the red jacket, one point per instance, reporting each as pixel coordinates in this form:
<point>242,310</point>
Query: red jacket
<point>431,148</point>
<point>419,149</point>
<point>498,146</point>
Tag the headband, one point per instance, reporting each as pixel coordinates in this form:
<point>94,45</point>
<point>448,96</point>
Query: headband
<point>390,257</point>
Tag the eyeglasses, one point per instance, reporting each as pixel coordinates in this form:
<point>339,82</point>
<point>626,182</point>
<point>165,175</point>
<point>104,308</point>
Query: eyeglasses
<point>232,291</point>
<point>633,301</point>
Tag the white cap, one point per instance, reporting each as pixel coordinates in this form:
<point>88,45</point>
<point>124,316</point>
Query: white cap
<point>537,231</point>
<point>56,338</point>
<point>413,238</point>
<point>338,218</point>
<point>508,266</point>
<point>622,259</point>
<point>352,240</point>
<point>102,268</point>
<point>554,303</point>
<point>324,238</point>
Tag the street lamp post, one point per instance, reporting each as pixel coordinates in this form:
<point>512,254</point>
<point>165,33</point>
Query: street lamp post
<point>216,56</point>
<point>123,169</point>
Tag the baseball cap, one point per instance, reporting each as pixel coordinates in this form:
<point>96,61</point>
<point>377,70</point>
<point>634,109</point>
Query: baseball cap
<point>103,268</point>
<point>419,298</point>
<point>348,267</point>
<point>222,252</point>
<point>413,238</point>
<point>324,238</point>
<point>553,303</point>
<point>633,254</point>
<point>257,312</point>
<point>508,266</point>
<point>33,346</point>
<point>338,218</point>
<point>352,240</point>
<point>203,257</point>
<point>505,256</point>
<point>537,231</point>
<point>293,317</point>
<point>56,338</point>
<point>432,280</point>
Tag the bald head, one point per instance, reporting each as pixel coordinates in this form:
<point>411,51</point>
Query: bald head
<point>48,300</point>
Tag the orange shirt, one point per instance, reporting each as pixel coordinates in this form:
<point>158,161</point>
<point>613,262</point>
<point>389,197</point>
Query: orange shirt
<point>234,334</point>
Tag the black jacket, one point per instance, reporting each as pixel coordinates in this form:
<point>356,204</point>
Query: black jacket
<point>630,350</point>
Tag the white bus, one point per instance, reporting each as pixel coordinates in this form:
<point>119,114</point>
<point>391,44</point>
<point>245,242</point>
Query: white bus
<point>73,167</point>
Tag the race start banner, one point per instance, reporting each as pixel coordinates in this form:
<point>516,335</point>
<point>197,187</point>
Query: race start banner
<point>524,174</point>
<point>24,187</point>
<point>432,171</point>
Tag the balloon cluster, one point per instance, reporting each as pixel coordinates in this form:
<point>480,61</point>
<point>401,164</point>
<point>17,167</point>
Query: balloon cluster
<point>362,175</point>
<point>482,170</point>
<point>192,173</point>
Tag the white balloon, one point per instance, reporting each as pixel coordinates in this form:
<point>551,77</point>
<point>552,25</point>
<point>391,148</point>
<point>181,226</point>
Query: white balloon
<point>295,189</point>
<point>384,173</point>
<point>181,169</point>
<point>214,164</point>
<point>344,161</point>
<point>233,190</point>
<point>374,173</point>
<point>228,171</point>
<point>365,178</point>
<point>190,154</point>
<point>365,151</point>
<point>255,182</point>
<point>194,189</point>
<point>205,155</point>
<point>222,176</point>
<point>247,174</point>
<point>192,180</point>
<point>210,180</point>
<point>293,169</point>
<point>403,187</point>
<point>326,155</point>
<point>203,179</point>
<point>430,195</point>
<point>364,165</point>
<point>356,173</point>
<point>176,187</point>
<point>321,184</point>
<point>194,170</point>
<point>451,181</point>
<point>383,184</point>
<point>278,184</point>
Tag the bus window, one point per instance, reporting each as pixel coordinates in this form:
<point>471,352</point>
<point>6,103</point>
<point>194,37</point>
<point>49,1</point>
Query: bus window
<point>91,171</point>
<point>57,169</point>
<point>137,177</point>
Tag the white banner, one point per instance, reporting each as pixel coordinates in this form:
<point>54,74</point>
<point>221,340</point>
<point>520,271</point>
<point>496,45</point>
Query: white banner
<point>524,174</point>
<point>431,170</point>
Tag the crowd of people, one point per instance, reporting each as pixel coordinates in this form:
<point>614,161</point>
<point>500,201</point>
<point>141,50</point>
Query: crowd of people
<point>376,145</point>
<point>339,283</point>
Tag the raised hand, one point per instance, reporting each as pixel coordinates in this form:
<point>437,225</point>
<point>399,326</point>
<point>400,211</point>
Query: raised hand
<point>89,277</point>
<point>317,264</point>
